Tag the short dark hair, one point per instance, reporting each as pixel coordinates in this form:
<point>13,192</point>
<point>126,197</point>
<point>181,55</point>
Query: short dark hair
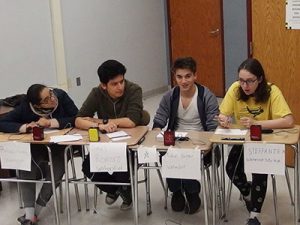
<point>34,93</point>
<point>262,92</point>
<point>185,63</point>
<point>109,70</point>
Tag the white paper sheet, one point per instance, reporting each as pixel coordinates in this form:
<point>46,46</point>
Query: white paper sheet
<point>117,134</point>
<point>181,163</point>
<point>49,130</point>
<point>292,14</point>
<point>120,138</point>
<point>108,157</point>
<point>147,154</point>
<point>15,155</point>
<point>64,138</point>
<point>264,158</point>
<point>224,131</point>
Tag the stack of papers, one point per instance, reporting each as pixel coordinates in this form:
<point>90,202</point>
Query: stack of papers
<point>160,136</point>
<point>118,136</point>
<point>64,138</point>
<point>225,131</point>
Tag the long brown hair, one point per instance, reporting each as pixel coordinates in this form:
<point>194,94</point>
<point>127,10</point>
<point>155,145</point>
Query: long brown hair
<point>262,92</point>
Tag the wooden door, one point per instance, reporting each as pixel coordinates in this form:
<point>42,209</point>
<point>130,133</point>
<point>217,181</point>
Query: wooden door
<point>279,51</point>
<point>196,29</point>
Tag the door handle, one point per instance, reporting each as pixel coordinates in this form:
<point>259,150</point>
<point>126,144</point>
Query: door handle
<point>214,31</point>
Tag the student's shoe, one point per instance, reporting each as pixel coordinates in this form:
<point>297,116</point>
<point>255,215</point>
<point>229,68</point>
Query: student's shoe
<point>254,221</point>
<point>125,193</point>
<point>23,220</point>
<point>193,203</point>
<point>111,198</point>
<point>177,201</point>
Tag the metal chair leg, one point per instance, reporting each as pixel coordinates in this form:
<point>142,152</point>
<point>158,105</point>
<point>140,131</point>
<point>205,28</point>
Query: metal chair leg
<point>275,198</point>
<point>208,182</point>
<point>147,183</point>
<point>75,185</point>
<point>95,198</point>
<point>21,206</point>
<point>164,186</point>
<point>61,198</point>
<point>287,177</point>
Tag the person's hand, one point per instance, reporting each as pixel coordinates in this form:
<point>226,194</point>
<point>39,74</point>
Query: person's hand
<point>29,126</point>
<point>43,122</point>
<point>224,121</point>
<point>247,121</point>
<point>109,127</point>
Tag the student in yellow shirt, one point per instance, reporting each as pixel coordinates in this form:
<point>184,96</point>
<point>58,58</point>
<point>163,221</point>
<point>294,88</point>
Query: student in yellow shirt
<point>252,101</point>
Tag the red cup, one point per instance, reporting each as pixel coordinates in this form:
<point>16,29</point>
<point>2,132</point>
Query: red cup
<point>38,133</point>
<point>169,138</point>
<point>255,132</point>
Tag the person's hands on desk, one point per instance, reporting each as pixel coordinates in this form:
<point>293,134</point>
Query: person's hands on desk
<point>108,128</point>
<point>224,121</point>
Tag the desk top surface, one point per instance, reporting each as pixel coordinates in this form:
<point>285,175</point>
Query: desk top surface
<point>198,139</point>
<point>136,134</point>
<point>279,136</point>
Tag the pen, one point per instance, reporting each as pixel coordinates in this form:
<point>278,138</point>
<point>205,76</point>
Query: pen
<point>69,131</point>
<point>233,139</point>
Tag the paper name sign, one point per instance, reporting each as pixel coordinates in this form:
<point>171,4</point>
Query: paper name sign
<point>108,157</point>
<point>181,163</point>
<point>147,154</point>
<point>264,158</point>
<point>15,155</point>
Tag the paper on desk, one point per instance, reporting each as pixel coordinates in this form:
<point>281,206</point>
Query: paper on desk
<point>225,131</point>
<point>120,138</point>
<point>117,134</point>
<point>181,163</point>
<point>108,157</point>
<point>64,138</point>
<point>49,130</point>
<point>147,154</point>
<point>15,155</point>
<point>160,136</point>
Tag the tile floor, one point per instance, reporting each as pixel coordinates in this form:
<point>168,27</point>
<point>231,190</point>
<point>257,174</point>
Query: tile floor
<point>111,215</point>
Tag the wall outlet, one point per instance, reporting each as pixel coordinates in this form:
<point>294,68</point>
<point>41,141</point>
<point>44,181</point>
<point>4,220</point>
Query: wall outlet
<point>78,81</point>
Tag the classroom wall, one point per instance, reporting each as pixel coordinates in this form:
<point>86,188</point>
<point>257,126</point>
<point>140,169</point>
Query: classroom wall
<point>26,45</point>
<point>130,31</point>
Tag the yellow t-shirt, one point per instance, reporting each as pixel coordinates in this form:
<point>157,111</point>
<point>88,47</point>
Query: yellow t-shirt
<point>276,106</point>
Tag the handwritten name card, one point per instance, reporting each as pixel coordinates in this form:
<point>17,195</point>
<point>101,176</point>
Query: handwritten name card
<point>181,163</point>
<point>108,157</point>
<point>15,155</point>
<point>147,154</point>
<point>264,158</point>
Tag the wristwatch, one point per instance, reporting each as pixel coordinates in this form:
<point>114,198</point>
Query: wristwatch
<point>105,120</point>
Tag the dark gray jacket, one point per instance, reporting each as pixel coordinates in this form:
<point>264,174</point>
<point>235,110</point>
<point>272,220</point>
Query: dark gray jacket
<point>207,104</point>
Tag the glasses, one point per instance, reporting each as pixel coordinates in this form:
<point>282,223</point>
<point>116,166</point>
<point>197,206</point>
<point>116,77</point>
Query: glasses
<point>248,82</point>
<point>48,98</point>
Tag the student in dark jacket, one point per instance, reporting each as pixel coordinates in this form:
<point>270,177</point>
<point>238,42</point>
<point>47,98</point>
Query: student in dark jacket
<point>188,106</point>
<point>49,108</point>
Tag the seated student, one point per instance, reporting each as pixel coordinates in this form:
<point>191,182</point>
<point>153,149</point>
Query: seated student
<point>118,103</point>
<point>252,101</point>
<point>188,106</point>
<point>49,108</point>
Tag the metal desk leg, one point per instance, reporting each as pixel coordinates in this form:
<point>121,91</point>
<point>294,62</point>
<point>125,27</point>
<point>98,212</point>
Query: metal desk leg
<point>296,183</point>
<point>213,188</point>
<point>133,183</point>
<point>67,185</point>
<point>223,202</point>
<point>204,188</point>
<point>53,186</point>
